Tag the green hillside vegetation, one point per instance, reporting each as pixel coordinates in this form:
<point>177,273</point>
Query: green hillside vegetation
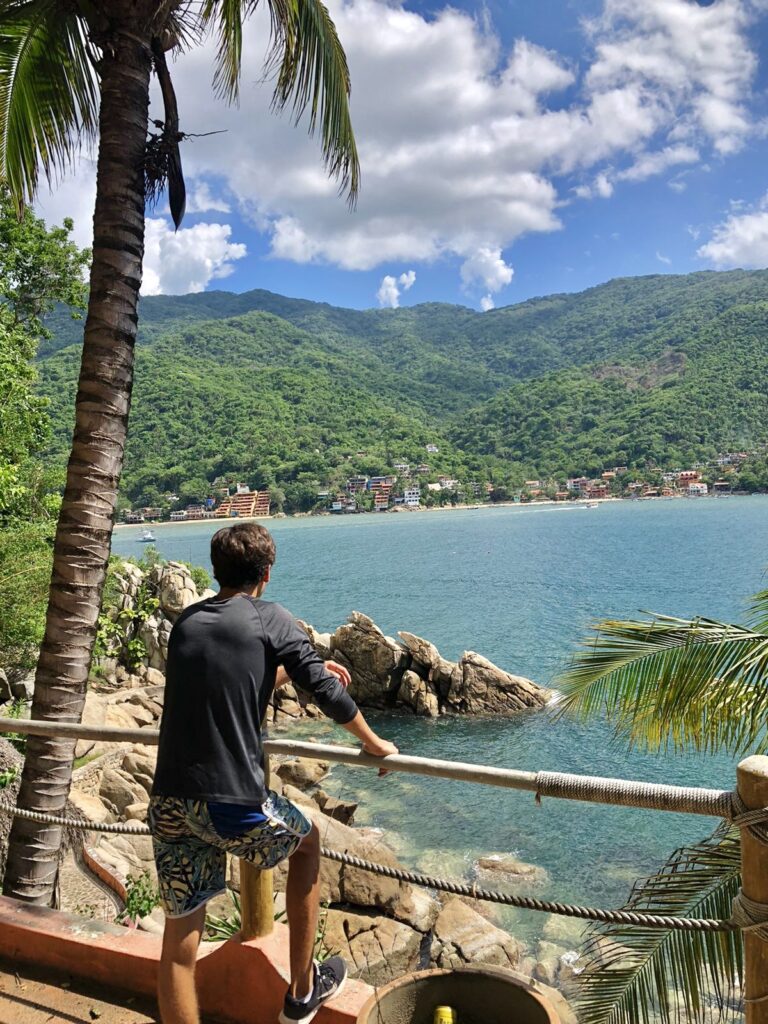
<point>645,372</point>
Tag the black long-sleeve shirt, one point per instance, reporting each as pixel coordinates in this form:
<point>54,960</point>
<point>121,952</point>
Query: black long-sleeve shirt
<point>222,661</point>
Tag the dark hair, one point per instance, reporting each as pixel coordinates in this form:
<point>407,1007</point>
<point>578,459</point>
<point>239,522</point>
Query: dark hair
<point>242,554</point>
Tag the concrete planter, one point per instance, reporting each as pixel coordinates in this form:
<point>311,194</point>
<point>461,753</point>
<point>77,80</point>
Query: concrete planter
<point>479,995</point>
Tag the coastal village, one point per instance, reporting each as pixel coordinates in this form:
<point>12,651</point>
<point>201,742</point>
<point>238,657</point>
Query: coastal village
<point>414,487</point>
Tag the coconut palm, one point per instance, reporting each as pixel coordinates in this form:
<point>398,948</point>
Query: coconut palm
<point>74,73</point>
<point>673,683</point>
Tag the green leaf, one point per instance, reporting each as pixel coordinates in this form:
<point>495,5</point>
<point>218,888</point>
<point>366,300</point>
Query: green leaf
<point>674,682</point>
<point>49,95</point>
<point>311,69</point>
<point>634,975</point>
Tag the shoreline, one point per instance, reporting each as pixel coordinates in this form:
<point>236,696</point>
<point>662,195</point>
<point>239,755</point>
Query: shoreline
<point>583,503</point>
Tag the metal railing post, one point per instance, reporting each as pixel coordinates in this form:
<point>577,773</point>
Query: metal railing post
<point>752,784</point>
<point>257,907</point>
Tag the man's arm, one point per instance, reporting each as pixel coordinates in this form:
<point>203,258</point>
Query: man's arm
<point>372,743</point>
<point>282,678</point>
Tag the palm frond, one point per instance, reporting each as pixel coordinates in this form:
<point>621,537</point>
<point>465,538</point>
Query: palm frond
<point>758,611</point>
<point>674,682</point>
<point>310,66</point>
<point>638,976</point>
<point>49,94</point>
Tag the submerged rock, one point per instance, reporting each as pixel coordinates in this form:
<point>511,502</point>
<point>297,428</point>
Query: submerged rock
<point>505,867</point>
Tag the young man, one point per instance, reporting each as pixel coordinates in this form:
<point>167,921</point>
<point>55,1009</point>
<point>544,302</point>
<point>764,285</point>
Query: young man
<point>209,797</point>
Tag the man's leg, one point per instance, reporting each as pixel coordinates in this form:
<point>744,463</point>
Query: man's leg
<point>176,975</point>
<point>302,904</point>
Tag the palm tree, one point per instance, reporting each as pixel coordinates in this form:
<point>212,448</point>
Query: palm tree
<point>72,72</point>
<point>670,683</point>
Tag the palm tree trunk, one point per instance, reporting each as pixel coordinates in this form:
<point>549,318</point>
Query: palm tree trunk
<point>84,531</point>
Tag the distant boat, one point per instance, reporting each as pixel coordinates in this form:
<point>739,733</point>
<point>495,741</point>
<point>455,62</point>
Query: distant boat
<point>147,537</point>
<point>591,504</point>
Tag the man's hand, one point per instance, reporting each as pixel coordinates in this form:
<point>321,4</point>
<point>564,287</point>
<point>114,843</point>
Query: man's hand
<point>378,747</point>
<point>339,671</point>
<point>372,744</point>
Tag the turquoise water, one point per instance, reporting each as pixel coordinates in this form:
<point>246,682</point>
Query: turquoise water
<point>520,586</point>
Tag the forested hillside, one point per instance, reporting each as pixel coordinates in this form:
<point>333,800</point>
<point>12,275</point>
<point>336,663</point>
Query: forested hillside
<point>287,392</point>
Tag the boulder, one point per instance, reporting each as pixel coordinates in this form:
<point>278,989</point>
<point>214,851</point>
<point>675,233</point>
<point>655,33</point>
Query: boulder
<point>119,790</point>
<point>140,768</point>
<point>376,662</point>
<point>5,688</point>
<point>377,949</point>
<point>176,589</point>
<point>548,963</point>
<point>417,694</point>
<point>24,688</point>
<point>422,651</point>
<point>565,931</point>
<point>136,812</point>
<point>478,686</point>
<point>462,936</point>
<point>341,810</point>
<point>320,641</point>
<point>505,867</point>
<point>289,709</point>
<point>154,677</point>
<point>118,716</point>
<point>90,806</point>
<point>302,772</point>
<point>343,884</point>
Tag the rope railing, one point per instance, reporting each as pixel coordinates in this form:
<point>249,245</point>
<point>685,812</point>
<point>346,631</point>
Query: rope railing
<point>639,919</point>
<point>716,803</point>
<point>749,916</point>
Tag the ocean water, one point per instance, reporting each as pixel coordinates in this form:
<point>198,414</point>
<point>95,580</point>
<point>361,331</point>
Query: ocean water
<point>520,586</point>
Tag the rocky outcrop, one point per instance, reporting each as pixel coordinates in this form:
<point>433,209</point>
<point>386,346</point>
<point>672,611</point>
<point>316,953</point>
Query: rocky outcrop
<point>412,674</point>
<point>408,673</point>
<point>376,948</point>
<point>462,936</point>
<point>376,662</point>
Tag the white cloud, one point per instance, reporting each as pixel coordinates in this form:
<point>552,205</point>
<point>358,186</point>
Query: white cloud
<point>389,289</point>
<point>650,164</point>
<point>487,303</point>
<point>200,199</point>
<point>388,293</point>
<point>74,197</point>
<point>741,240</point>
<point>694,60</point>
<point>601,187</point>
<point>467,145</point>
<point>663,259</point>
<point>486,266</point>
<point>177,262</point>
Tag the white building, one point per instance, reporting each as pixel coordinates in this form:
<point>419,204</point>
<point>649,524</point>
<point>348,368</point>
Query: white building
<point>177,517</point>
<point>412,497</point>
<point>696,490</point>
<point>432,449</point>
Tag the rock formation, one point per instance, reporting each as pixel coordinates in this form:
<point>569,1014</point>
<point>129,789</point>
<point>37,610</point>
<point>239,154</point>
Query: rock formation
<point>407,673</point>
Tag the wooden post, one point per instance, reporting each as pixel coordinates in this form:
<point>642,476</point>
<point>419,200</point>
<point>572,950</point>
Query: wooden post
<point>752,782</point>
<point>257,907</point>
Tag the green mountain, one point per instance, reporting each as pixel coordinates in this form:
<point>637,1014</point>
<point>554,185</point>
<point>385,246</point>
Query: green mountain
<point>284,391</point>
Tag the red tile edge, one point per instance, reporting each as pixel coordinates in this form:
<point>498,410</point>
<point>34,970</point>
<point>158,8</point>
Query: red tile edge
<point>241,982</point>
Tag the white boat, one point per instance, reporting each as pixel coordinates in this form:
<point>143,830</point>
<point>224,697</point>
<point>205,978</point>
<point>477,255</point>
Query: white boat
<point>147,537</point>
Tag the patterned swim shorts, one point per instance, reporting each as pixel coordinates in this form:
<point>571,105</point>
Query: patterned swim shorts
<point>191,856</point>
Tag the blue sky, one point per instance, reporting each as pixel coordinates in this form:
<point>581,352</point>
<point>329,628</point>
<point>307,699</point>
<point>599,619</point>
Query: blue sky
<point>509,149</point>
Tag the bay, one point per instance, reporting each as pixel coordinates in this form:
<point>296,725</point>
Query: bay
<point>521,587</point>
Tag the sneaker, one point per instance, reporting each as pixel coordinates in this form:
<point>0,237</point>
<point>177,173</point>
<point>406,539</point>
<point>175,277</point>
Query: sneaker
<point>330,976</point>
